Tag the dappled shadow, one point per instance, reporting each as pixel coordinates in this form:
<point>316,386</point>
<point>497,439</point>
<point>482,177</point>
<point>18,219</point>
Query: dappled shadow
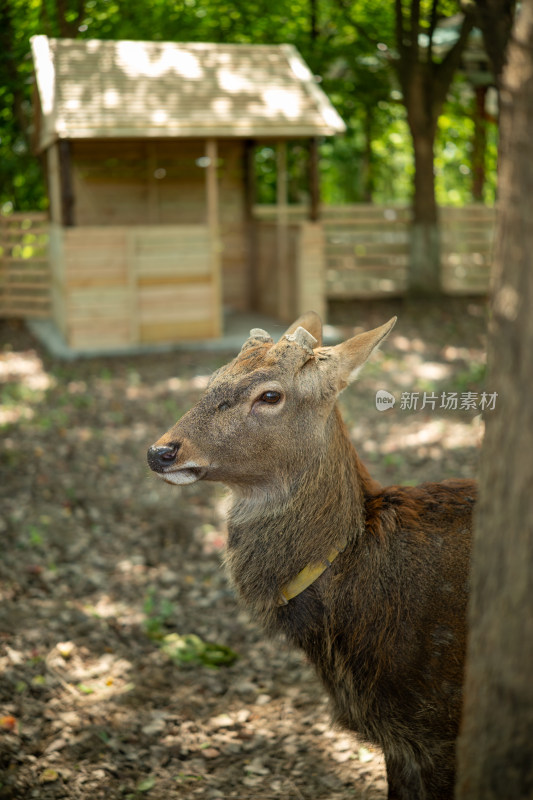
<point>99,88</point>
<point>100,561</point>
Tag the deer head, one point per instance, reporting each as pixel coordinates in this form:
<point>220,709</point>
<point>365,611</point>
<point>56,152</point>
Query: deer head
<point>266,413</point>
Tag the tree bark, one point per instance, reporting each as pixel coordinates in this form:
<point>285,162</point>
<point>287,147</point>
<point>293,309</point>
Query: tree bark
<point>424,81</point>
<point>495,748</point>
<point>367,183</point>
<point>424,273</point>
<point>479,144</point>
<point>495,18</point>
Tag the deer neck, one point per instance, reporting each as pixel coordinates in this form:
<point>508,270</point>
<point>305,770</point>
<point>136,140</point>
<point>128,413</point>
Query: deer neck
<point>277,531</point>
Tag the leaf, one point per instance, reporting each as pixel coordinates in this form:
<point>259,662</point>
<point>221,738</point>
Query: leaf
<point>182,777</point>
<point>48,776</point>
<point>84,689</point>
<point>189,650</point>
<point>146,784</point>
<point>8,723</point>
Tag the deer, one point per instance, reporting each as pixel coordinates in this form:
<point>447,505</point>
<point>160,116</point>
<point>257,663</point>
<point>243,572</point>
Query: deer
<point>370,582</point>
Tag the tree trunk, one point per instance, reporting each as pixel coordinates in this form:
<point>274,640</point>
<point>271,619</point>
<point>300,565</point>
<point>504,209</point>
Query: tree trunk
<point>479,145</point>
<point>424,81</point>
<point>422,116</point>
<point>495,748</point>
<point>495,18</point>
<point>424,273</point>
<point>367,182</point>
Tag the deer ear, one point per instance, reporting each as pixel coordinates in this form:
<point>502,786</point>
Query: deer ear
<point>311,322</point>
<point>352,354</point>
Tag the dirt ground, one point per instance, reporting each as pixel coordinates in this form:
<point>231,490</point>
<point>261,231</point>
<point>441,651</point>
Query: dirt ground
<point>103,568</point>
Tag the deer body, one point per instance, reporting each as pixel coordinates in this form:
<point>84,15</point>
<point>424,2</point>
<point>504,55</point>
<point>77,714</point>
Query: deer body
<point>384,624</point>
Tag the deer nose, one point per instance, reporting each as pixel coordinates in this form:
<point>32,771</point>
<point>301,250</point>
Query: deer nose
<point>163,456</point>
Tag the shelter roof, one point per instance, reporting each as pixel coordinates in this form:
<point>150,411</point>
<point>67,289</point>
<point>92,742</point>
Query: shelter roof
<point>120,89</point>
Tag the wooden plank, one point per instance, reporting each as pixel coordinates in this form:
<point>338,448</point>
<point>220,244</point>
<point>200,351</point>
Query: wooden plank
<point>29,273</point>
<point>212,203</point>
<point>54,183</point>
<point>10,285</point>
<point>174,280</point>
<point>84,334</point>
<point>167,303</point>
<point>174,266</point>
<point>101,281</point>
<point>309,265</point>
<point>23,216</point>
<point>14,312</point>
<point>178,331</point>
<point>104,300</point>
<point>250,191</point>
<point>153,195</point>
<point>133,289</point>
<point>57,270</point>
<point>284,299</point>
<point>65,177</point>
<point>168,234</point>
<point>314,180</point>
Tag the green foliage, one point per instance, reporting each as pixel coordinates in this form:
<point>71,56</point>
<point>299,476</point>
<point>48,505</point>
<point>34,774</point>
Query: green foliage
<point>350,45</point>
<point>190,650</point>
<point>159,612</point>
<point>187,650</point>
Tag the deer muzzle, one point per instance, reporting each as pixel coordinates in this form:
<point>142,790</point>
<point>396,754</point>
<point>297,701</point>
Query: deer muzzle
<point>173,464</point>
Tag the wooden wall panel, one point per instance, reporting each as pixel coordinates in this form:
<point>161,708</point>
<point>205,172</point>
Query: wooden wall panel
<point>309,267</point>
<point>162,182</point>
<point>98,317</point>
<point>95,256</point>
<point>54,183</point>
<point>234,255</point>
<point>57,288</point>
<point>132,285</point>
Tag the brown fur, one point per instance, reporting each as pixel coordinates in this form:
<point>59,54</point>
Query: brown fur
<point>385,624</point>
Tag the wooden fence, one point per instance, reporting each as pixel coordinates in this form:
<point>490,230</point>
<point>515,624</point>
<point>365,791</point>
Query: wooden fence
<point>367,248</point>
<point>366,252</point>
<point>24,265</point>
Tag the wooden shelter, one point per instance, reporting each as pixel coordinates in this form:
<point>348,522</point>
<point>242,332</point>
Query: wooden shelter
<point>149,152</point>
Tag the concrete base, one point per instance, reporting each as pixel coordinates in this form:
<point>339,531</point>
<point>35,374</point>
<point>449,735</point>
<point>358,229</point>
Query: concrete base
<point>237,328</point>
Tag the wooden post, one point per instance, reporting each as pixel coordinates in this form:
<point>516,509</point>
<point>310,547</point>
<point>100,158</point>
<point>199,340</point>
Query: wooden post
<point>211,152</point>
<point>133,285</point>
<point>252,288</point>
<point>54,184</point>
<point>284,299</point>
<point>65,175</point>
<point>153,193</point>
<point>314,181</point>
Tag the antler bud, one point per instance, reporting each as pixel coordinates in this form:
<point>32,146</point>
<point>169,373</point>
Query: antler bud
<point>257,336</point>
<point>259,333</point>
<point>303,338</point>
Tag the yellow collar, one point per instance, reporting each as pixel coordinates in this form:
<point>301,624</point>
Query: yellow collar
<point>307,576</point>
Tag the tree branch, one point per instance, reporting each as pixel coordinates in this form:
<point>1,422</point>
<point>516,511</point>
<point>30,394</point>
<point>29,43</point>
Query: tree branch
<point>345,7</point>
<point>495,18</point>
<point>415,27</point>
<point>445,70</point>
<point>400,31</point>
<point>433,19</point>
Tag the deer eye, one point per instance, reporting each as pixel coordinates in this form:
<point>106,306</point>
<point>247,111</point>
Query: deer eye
<point>271,397</point>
